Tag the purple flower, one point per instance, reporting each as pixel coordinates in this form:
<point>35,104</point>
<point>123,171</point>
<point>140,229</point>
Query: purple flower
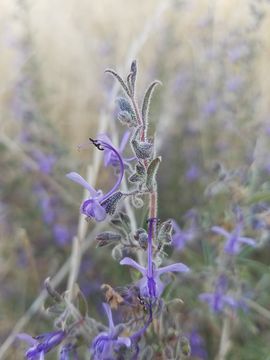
<point>42,344</point>
<point>106,343</point>
<point>233,239</point>
<point>192,173</point>
<point>45,162</point>
<point>218,300</point>
<point>110,157</point>
<point>61,234</point>
<point>181,237</point>
<point>150,284</point>
<point>197,345</point>
<point>210,108</point>
<point>234,83</point>
<point>94,206</point>
<point>238,52</point>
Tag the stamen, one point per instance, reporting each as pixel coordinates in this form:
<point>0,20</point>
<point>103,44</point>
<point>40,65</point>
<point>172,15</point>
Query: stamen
<point>97,144</point>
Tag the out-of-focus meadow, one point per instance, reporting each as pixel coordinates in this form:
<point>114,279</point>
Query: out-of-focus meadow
<point>211,119</point>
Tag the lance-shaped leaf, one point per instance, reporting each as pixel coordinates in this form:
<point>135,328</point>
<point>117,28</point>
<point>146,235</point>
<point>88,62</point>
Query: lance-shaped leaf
<point>147,99</point>
<point>111,203</point>
<point>151,173</point>
<point>121,81</point>
<point>107,238</point>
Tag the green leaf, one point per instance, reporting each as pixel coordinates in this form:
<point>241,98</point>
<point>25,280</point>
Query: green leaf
<point>151,173</point>
<point>121,81</point>
<point>147,99</point>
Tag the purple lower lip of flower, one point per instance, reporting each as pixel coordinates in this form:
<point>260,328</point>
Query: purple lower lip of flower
<point>92,207</point>
<point>106,342</point>
<point>42,344</point>
<point>144,283</point>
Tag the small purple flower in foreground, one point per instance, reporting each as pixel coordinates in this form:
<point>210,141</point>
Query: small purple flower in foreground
<point>150,284</point>
<point>110,158</point>
<point>42,344</point>
<point>218,300</point>
<point>93,207</point>
<point>233,239</point>
<point>106,343</point>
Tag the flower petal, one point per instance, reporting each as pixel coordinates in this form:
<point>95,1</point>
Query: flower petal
<point>27,338</point>
<point>124,340</point>
<point>219,230</point>
<point>134,264</point>
<point>178,267</point>
<point>207,297</point>
<point>124,141</point>
<point>246,240</point>
<point>229,300</point>
<point>99,211</point>
<point>81,181</point>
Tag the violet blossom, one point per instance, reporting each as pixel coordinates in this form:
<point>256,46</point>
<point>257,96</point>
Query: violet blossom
<point>181,237</point>
<point>150,284</point>
<point>41,344</point>
<point>110,157</point>
<point>94,206</point>
<point>219,298</point>
<point>107,342</point>
<point>234,240</point>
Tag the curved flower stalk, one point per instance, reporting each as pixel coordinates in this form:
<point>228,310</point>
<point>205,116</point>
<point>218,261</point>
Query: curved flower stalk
<point>234,240</point>
<point>107,343</point>
<point>96,206</point>
<point>42,344</point>
<point>150,284</point>
<point>219,299</point>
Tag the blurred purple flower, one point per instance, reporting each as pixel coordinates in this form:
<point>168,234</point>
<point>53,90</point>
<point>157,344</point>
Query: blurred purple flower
<point>150,284</point>
<point>181,237</point>
<point>42,344</point>
<point>238,52</point>
<point>106,343</point>
<point>233,239</point>
<point>218,299</point>
<point>61,234</point>
<point>46,162</point>
<point>234,83</point>
<point>192,173</point>
<point>210,108</point>
<point>93,207</point>
<point>197,345</point>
